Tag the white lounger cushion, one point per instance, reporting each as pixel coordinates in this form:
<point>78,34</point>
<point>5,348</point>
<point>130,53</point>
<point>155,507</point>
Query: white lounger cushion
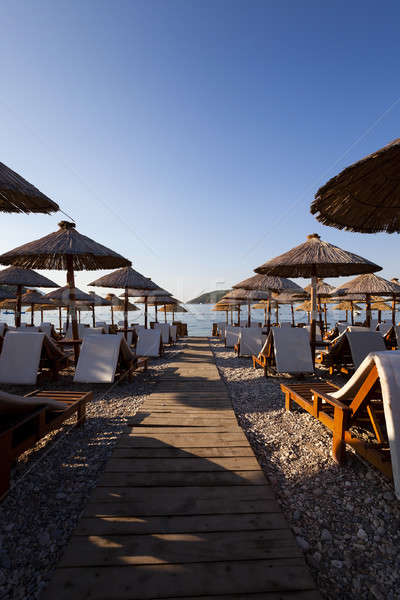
<point>286,324</point>
<point>20,357</point>
<point>173,330</point>
<point>362,343</point>
<point>292,350</point>
<point>98,359</point>
<point>3,327</point>
<point>388,365</point>
<point>14,404</point>
<point>81,331</point>
<point>92,331</point>
<point>318,336</point>
<point>232,335</point>
<point>384,328</point>
<point>251,341</point>
<point>148,343</point>
<point>164,328</point>
<point>129,338</point>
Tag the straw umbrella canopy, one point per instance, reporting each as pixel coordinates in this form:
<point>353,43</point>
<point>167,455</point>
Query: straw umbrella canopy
<point>223,308</point>
<point>365,196</point>
<point>20,278</point>
<point>17,195</point>
<point>368,285</point>
<point>65,249</point>
<point>156,301</point>
<point>316,258</point>
<point>137,293</point>
<point>118,305</point>
<point>323,290</point>
<point>96,300</point>
<point>231,305</point>
<point>124,279</point>
<point>30,298</point>
<point>172,308</point>
<point>249,296</point>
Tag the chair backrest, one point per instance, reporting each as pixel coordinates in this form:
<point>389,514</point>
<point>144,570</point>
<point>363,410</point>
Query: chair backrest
<point>173,330</point>
<point>164,328</point>
<point>92,331</point>
<point>3,327</point>
<point>251,341</point>
<point>285,324</point>
<point>13,404</point>
<point>373,324</point>
<point>232,336</point>
<point>356,328</point>
<point>81,331</point>
<point>98,359</point>
<point>292,350</point>
<point>318,336</point>
<point>104,325</point>
<point>384,328</point>
<point>341,327</point>
<point>149,342</point>
<point>362,343</point>
<point>20,357</point>
<point>24,329</point>
<point>129,338</point>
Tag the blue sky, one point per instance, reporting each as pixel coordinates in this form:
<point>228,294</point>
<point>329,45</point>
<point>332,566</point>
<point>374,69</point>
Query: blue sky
<point>191,136</point>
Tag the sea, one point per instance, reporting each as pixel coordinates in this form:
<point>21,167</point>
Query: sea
<point>199,317</point>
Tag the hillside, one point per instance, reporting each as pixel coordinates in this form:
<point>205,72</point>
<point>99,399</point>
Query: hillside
<point>209,297</point>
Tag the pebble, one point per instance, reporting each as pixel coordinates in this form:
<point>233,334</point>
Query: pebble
<point>304,545</point>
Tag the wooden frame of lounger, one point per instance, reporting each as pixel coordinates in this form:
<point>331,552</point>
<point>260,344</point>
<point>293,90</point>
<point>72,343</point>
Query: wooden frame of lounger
<point>266,358</point>
<point>339,357</point>
<point>364,409</point>
<point>28,429</point>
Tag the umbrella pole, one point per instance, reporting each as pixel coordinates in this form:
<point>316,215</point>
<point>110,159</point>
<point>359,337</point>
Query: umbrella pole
<point>347,315</point>
<point>394,310</point>
<point>352,312</point>
<point>321,326</point>
<point>112,315</point>
<point>59,318</point>
<point>41,314</point>
<point>145,312</point>
<point>368,310</point>
<point>248,314</point>
<point>277,313</point>
<point>326,317</point>
<point>292,311</point>
<point>18,307</point>
<point>231,316</point>
<point>155,312</point>
<point>265,315</point>
<point>227,316</point>
<point>72,309</point>
<point>33,315</point>
<point>313,315</point>
<point>269,315</point>
<point>165,313</point>
<point>93,316</point>
<point>238,309</point>
<point>126,313</point>
<point>379,316</point>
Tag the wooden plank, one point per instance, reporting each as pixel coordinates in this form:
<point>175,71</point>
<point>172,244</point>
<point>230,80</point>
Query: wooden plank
<point>173,465</point>
<point>147,582</point>
<point>172,548</point>
<point>215,478</point>
<point>297,595</point>
<point>158,420</point>
<point>181,524</point>
<point>161,439</point>
<point>181,452</point>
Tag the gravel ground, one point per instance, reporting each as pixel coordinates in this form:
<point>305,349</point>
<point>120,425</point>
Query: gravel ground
<point>346,519</point>
<point>52,482</point>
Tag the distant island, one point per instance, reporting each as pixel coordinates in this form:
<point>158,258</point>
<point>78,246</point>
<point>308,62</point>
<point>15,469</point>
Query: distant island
<point>209,297</point>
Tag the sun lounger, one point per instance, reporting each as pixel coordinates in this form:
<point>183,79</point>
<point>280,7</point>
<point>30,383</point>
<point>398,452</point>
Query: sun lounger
<point>250,341</point>
<point>374,324</point>
<point>349,350</point>
<point>165,333</point>
<point>81,331</point>
<point>318,336</point>
<point>3,328</point>
<point>24,354</point>
<point>232,336</point>
<point>27,419</point>
<point>384,328</point>
<point>368,402</point>
<point>149,343</point>
<point>101,357</point>
<point>173,330</point>
<point>92,331</point>
<point>286,350</point>
<point>285,324</point>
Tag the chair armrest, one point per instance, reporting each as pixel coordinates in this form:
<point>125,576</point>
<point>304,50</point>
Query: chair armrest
<point>330,400</point>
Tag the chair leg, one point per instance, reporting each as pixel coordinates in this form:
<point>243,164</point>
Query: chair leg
<point>288,401</point>
<point>340,421</point>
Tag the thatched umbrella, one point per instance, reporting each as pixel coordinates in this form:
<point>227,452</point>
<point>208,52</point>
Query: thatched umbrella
<point>247,296</point>
<point>118,305</point>
<point>347,305</point>
<point>61,297</point>
<point>394,280</point>
<point>223,308</point>
<point>315,258</point>
<point>269,283</point>
<point>96,301</point>
<point>157,301</point>
<point>368,285</point>
<point>65,249</point>
<point>365,196</point>
<point>124,279</point>
<point>380,306</point>
<point>138,293</point>
<point>17,195</point>
<point>230,305</point>
<point>173,308</point>
<point>323,290</point>
<point>30,298</point>
<point>20,278</point>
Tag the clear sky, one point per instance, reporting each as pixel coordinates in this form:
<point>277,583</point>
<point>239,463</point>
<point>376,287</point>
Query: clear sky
<point>191,135</point>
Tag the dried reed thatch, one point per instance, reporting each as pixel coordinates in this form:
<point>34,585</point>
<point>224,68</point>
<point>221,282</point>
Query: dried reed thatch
<point>137,293</point>
<point>365,196</point>
<point>17,195</point>
<point>316,258</point>
<point>380,306</point>
<point>346,305</point>
<point>121,307</point>
<point>305,306</point>
<point>125,278</point>
<point>157,300</point>
<point>52,252</point>
<point>248,295</point>
<point>366,285</point>
<point>6,294</point>
<point>267,283</point>
<point>25,277</point>
<point>62,295</point>
<point>323,288</point>
<point>173,308</point>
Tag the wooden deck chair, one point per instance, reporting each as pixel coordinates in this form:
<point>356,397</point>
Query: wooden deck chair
<point>318,336</point>
<point>374,324</point>
<point>286,350</point>
<point>26,419</point>
<point>285,324</point>
<point>232,336</point>
<point>81,331</point>
<point>92,331</point>
<point>24,354</point>
<point>250,341</point>
<point>149,343</point>
<point>384,328</point>
<point>101,357</point>
<point>165,332</point>
<point>3,329</point>
<point>350,348</point>
<point>173,331</point>
<point>368,402</point>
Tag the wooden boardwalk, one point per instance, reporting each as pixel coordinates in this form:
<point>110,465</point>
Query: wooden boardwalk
<point>183,509</point>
